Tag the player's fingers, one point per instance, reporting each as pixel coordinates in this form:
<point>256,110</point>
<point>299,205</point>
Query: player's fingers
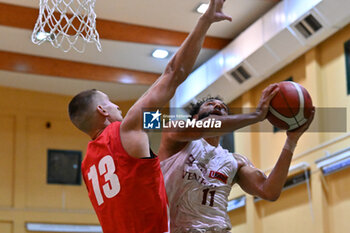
<point>224,17</point>
<point>273,87</point>
<point>311,118</point>
<point>229,18</point>
<point>274,92</point>
<point>269,88</point>
<point>308,122</point>
<point>271,91</point>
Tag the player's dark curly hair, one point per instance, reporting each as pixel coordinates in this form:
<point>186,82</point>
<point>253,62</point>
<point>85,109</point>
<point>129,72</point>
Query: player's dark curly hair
<point>194,108</point>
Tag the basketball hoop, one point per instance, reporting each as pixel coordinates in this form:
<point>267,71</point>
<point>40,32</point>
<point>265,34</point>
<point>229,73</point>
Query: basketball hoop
<point>67,24</point>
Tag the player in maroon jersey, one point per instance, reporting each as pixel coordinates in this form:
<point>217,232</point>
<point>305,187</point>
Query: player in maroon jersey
<point>123,178</point>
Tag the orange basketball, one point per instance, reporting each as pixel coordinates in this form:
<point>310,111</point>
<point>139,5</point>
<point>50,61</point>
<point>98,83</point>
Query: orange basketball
<point>290,107</point>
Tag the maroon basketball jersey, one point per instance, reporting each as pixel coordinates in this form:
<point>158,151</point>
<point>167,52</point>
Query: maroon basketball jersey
<point>127,193</point>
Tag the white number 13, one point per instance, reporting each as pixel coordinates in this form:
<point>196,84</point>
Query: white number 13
<point>111,188</point>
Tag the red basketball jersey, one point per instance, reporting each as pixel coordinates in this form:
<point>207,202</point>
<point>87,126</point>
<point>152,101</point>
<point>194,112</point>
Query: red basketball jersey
<point>127,193</point>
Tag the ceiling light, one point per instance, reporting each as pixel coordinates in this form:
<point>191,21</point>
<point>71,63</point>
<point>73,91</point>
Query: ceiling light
<point>46,227</point>
<point>160,53</point>
<point>42,35</point>
<point>202,8</point>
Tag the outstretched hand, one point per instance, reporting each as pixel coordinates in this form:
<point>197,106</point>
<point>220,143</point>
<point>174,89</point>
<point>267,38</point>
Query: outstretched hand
<point>264,103</point>
<point>294,135</point>
<point>214,11</point>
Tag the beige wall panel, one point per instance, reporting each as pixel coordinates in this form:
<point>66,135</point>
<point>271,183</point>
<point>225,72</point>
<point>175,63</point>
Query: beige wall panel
<point>334,74</point>
<point>124,105</point>
<point>236,191</point>
<point>333,69</point>
<point>271,146</point>
<point>289,214</point>
<point>339,201</point>
<point>61,135</point>
<point>7,136</point>
<point>6,227</point>
<point>238,220</point>
<point>64,217</point>
<point>243,139</point>
<point>24,140</point>
<point>41,103</point>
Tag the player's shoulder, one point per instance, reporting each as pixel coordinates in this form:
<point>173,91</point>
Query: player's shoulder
<point>241,159</point>
<point>237,155</point>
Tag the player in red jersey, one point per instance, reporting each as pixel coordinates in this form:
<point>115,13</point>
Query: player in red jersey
<point>123,178</point>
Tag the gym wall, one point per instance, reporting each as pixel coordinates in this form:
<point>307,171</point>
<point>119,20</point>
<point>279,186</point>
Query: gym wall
<point>322,71</point>
<point>30,124</point>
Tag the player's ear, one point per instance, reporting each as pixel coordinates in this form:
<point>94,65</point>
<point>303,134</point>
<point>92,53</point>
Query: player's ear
<point>101,110</point>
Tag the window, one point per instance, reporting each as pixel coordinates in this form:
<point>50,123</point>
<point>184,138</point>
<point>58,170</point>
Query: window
<point>63,167</point>
<point>347,64</point>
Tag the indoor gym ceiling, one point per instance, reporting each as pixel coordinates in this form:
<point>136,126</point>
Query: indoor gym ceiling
<point>129,31</point>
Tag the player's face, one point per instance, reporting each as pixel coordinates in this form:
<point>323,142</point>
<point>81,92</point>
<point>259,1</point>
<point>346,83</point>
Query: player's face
<point>212,107</point>
<point>113,110</point>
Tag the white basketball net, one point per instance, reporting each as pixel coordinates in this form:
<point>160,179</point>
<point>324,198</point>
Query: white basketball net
<point>67,24</point>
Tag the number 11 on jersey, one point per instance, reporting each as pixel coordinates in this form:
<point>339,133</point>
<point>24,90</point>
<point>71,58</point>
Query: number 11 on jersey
<point>205,197</point>
<point>106,168</point>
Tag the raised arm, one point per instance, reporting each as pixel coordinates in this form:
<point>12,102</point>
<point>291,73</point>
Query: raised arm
<point>255,182</point>
<point>178,68</point>
<point>229,123</point>
<point>134,139</point>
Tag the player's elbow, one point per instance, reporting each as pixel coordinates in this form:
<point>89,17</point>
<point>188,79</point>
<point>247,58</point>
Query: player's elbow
<point>176,71</point>
<point>268,193</point>
<point>271,196</point>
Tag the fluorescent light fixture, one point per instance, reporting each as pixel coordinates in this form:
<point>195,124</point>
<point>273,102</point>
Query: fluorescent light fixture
<point>202,8</point>
<point>335,162</point>
<point>236,203</point>
<point>160,53</point>
<point>42,35</point>
<point>46,227</point>
<point>337,166</point>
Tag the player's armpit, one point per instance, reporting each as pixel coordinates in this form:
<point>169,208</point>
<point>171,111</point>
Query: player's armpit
<point>135,143</point>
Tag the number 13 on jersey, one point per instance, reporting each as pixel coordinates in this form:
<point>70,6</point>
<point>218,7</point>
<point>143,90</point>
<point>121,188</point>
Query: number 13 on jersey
<point>111,187</point>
